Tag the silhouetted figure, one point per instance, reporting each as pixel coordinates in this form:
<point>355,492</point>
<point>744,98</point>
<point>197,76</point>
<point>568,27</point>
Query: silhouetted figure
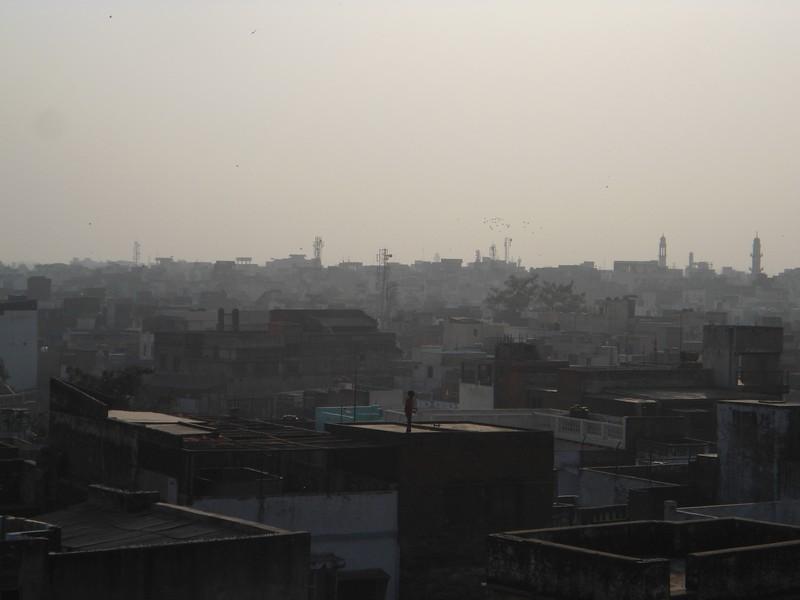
<point>410,408</point>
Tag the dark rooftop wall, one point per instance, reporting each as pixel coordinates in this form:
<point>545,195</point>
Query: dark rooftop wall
<point>759,450</point>
<point>744,573</point>
<point>631,560</point>
<point>666,538</point>
<point>260,567</point>
<point>456,487</point>
<point>557,572</point>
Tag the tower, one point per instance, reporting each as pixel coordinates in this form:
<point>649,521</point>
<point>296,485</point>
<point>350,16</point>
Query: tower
<point>662,252</point>
<point>318,246</point>
<point>756,255</point>
<point>382,287</point>
<point>506,249</point>
<point>137,252</point>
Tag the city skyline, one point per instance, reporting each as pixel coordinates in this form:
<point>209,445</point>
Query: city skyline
<point>207,131</point>
<point>139,256</point>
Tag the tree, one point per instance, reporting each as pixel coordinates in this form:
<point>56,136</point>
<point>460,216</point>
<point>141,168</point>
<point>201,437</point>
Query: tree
<point>560,297</point>
<point>513,299</point>
<point>123,384</point>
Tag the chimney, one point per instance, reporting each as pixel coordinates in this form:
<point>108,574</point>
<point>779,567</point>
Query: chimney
<point>235,319</point>
<point>221,319</point>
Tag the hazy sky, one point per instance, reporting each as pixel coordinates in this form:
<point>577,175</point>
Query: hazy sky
<point>401,124</point>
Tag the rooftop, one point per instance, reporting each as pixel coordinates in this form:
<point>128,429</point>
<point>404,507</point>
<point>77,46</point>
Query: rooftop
<point>433,427</point>
<point>115,518</point>
<point>674,559</point>
<point>793,404</point>
<point>259,434</point>
<point>658,394</point>
<point>170,424</point>
<point>146,418</point>
<point>203,433</point>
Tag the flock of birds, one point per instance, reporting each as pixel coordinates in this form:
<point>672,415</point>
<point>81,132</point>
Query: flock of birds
<point>499,224</point>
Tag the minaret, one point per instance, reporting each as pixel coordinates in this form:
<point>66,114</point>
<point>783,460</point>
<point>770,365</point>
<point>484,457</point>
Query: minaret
<point>755,267</point>
<point>662,252</point>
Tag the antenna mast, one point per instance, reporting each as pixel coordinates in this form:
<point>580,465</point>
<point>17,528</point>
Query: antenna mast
<point>382,286</point>
<point>318,246</point>
<point>506,249</point>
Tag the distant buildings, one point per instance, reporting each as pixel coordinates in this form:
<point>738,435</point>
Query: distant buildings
<point>211,372</point>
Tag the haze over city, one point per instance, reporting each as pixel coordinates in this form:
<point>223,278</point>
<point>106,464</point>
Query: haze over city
<point>210,130</point>
<point>399,300</point>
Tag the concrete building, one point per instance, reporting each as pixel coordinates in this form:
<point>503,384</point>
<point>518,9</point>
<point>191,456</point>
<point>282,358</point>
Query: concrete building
<point>39,288</point>
<point>436,372</point>
<point>300,349</point>
<point>19,347</point>
<point>128,546</point>
<point>468,332</point>
<point>521,378</point>
<point>713,559</point>
<point>759,451</point>
<point>457,482</point>
<point>745,357</point>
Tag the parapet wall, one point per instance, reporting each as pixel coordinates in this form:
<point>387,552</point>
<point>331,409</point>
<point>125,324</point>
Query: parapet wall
<point>268,567</point>
<point>744,573</point>
<point>725,559</point>
<point>558,571</point>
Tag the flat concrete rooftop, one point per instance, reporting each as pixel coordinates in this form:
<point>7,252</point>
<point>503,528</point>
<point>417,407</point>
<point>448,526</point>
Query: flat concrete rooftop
<point>433,427</point>
<point>792,404</point>
<point>98,525</point>
<point>671,394</point>
<point>727,558</point>
<point>145,418</point>
<point>232,433</point>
